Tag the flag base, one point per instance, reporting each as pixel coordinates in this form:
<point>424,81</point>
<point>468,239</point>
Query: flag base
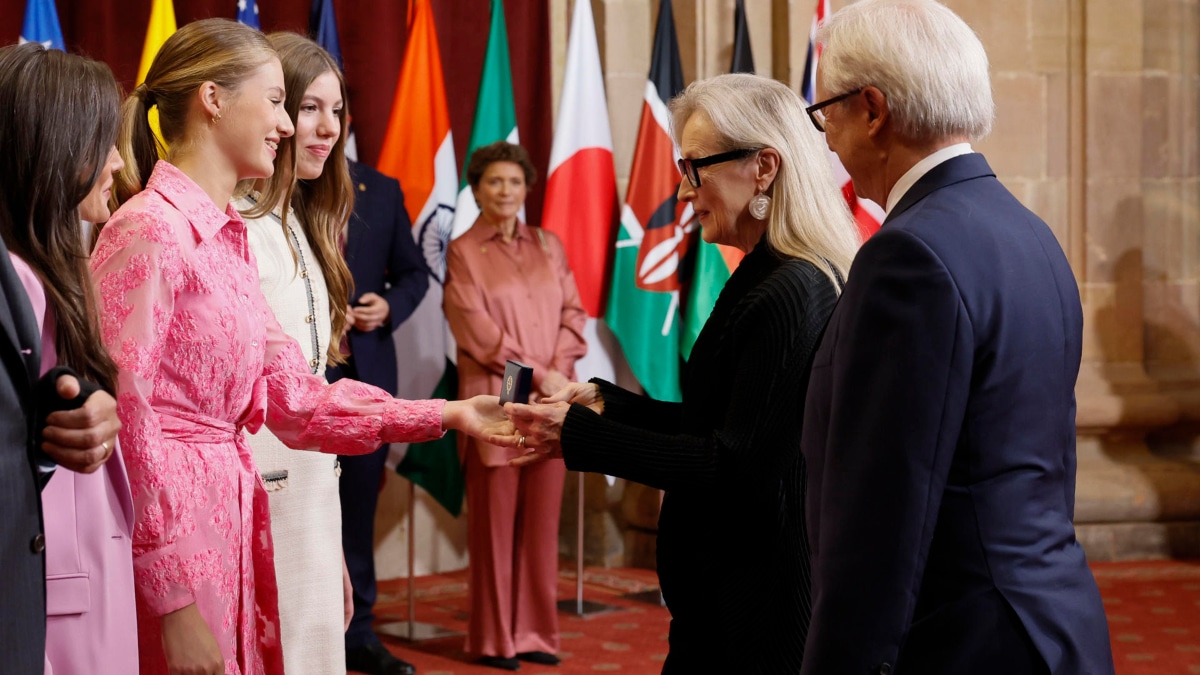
<point>415,631</point>
<point>652,596</point>
<point>585,608</point>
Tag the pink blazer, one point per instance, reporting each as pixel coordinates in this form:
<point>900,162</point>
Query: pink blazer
<point>91,622</point>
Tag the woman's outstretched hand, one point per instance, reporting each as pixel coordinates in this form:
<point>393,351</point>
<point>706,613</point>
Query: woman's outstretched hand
<point>538,431</point>
<point>479,416</point>
<point>583,393</point>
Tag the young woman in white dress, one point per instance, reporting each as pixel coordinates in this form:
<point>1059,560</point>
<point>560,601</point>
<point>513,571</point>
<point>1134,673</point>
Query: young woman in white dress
<point>295,221</point>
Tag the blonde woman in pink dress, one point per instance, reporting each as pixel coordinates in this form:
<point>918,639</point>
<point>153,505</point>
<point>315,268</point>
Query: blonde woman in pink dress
<point>202,359</point>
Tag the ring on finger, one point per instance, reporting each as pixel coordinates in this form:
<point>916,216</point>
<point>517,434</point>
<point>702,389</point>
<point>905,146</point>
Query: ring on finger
<point>105,446</point>
<point>521,442</point>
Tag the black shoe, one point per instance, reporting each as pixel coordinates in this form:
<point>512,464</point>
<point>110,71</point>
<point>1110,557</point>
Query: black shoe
<point>374,659</point>
<point>499,662</point>
<point>540,658</point>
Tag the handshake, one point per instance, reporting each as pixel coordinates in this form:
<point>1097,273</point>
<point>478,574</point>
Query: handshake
<point>535,428</point>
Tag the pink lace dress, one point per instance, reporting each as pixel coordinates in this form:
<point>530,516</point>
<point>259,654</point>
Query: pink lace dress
<point>202,359</point>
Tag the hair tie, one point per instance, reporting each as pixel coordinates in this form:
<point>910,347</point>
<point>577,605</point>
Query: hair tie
<point>148,97</point>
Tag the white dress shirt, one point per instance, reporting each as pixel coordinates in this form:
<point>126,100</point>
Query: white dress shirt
<point>921,168</point>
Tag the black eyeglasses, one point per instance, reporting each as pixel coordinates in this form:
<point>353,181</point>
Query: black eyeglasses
<point>818,117</point>
<point>690,168</point>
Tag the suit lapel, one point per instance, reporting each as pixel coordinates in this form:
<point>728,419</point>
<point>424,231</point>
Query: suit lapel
<point>16,320</point>
<point>954,170</point>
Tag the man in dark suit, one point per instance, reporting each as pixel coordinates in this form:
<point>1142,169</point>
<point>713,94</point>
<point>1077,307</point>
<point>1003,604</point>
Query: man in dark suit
<point>80,439</point>
<point>939,427</point>
<point>390,278</point>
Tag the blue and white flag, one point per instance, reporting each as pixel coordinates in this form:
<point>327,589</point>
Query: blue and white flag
<point>247,13</point>
<point>41,25</point>
<point>322,27</point>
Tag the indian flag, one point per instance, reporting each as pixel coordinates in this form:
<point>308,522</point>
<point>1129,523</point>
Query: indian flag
<point>418,150</point>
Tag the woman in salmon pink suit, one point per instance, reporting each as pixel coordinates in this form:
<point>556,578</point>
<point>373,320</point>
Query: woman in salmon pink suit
<point>510,294</point>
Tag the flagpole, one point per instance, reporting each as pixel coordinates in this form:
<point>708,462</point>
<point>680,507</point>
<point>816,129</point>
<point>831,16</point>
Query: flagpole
<point>579,549</point>
<point>413,630</point>
<point>580,607</point>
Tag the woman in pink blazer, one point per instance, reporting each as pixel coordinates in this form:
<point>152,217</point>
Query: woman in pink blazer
<point>59,119</point>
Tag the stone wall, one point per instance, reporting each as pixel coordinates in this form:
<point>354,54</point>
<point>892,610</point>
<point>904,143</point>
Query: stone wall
<point>1097,132</point>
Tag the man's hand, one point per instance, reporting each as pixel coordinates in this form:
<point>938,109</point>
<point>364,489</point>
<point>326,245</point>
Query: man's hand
<point>82,439</point>
<point>371,312</point>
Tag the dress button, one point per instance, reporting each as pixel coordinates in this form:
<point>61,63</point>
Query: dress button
<point>308,319</point>
<point>303,274</point>
<point>885,669</point>
<point>254,343</point>
<point>313,363</point>
<point>38,544</point>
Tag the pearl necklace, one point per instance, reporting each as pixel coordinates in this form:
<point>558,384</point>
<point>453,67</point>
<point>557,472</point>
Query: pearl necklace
<point>311,319</point>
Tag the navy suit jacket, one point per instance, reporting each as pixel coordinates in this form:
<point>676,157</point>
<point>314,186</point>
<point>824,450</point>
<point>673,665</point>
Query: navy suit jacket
<point>22,591</point>
<point>939,431</point>
<point>384,259</point>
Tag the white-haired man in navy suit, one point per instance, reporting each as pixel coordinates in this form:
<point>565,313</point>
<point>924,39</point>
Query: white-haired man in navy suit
<point>939,427</point>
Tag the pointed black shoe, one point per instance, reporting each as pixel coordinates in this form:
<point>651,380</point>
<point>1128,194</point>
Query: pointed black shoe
<point>375,659</point>
<point>499,662</point>
<point>540,658</point>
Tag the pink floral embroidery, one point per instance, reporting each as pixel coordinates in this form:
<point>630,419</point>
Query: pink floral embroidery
<point>201,357</point>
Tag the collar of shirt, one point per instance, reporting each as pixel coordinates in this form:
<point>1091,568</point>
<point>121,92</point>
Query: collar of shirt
<point>921,168</point>
<point>206,219</point>
<point>487,232</point>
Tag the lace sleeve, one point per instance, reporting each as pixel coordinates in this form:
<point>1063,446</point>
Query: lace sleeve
<point>135,268</point>
<point>343,418</point>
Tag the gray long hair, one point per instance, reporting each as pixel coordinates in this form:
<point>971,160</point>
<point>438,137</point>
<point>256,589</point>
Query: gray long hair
<point>809,218</point>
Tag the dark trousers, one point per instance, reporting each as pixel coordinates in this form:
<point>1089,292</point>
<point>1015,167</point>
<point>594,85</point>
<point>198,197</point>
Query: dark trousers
<point>359,491</point>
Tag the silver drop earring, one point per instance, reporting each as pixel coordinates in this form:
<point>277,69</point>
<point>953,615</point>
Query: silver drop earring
<point>760,205</point>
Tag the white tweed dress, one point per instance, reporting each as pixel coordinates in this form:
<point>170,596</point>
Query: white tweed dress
<point>305,511</point>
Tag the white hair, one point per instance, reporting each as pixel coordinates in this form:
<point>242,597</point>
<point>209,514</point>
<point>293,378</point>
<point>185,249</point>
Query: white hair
<point>809,218</point>
<point>925,59</point>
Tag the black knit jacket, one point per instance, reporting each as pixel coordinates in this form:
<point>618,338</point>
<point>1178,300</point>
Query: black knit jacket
<point>733,555</point>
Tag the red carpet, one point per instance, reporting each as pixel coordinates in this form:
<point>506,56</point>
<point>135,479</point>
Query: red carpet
<point>1153,612</point>
<point>1153,615</point>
